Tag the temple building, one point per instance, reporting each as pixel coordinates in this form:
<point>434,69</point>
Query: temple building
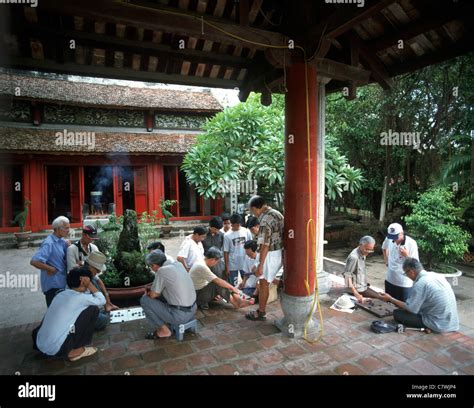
<point>87,148</point>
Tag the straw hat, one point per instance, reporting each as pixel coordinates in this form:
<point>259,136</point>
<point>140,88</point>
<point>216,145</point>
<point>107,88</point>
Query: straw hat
<point>97,260</point>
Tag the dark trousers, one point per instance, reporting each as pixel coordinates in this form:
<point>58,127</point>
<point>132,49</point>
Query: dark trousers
<point>408,319</point>
<point>50,294</point>
<point>398,292</point>
<point>82,334</point>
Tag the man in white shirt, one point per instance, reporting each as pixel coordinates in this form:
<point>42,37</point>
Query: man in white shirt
<point>398,247</point>
<point>191,249</point>
<point>68,326</point>
<point>234,252</point>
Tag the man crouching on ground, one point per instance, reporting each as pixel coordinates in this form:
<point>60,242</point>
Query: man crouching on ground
<point>171,299</point>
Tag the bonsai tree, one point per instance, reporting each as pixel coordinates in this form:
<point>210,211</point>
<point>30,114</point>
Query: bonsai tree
<point>20,218</point>
<point>165,206</point>
<point>433,223</point>
<point>129,261</point>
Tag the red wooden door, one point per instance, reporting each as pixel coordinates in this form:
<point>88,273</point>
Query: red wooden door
<point>77,192</point>
<point>140,190</point>
<point>118,195</point>
<point>6,196</point>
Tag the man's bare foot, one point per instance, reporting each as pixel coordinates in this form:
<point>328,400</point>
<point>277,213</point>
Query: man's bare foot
<point>76,352</point>
<point>163,331</point>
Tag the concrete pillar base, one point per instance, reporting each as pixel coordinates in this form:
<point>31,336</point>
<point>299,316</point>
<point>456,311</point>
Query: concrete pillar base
<point>296,310</point>
<point>324,283</point>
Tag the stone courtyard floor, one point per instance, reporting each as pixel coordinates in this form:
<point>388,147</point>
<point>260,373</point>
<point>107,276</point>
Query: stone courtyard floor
<point>228,344</point>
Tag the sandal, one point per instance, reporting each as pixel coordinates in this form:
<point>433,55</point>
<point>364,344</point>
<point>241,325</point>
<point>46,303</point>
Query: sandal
<point>88,351</point>
<point>256,315</point>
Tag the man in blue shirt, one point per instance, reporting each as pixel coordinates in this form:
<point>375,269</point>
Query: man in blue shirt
<point>51,259</point>
<point>431,303</point>
<point>68,325</point>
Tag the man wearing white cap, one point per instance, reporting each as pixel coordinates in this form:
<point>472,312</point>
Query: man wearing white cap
<point>398,247</point>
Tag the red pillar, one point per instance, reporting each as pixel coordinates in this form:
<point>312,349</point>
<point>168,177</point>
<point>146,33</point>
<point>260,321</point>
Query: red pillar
<point>299,208</point>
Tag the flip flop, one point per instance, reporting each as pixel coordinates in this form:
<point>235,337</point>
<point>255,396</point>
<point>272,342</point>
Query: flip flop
<point>88,351</point>
<point>256,315</point>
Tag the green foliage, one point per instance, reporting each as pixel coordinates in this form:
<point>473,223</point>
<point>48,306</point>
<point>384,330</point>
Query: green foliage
<point>123,241</point>
<point>433,223</point>
<point>246,142</point>
<point>165,207</point>
<point>435,101</point>
<point>20,218</point>
<point>147,230</point>
<point>340,176</point>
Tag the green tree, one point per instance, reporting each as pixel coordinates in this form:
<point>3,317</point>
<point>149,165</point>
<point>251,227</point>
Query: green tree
<point>433,223</point>
<point>246,142</point>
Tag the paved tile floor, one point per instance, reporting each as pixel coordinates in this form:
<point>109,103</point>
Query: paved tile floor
<point>228,344</point>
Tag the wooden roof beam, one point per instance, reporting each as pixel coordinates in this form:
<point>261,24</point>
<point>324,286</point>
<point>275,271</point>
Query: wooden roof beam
<point>379,72</point>
<point>423,25</point>
<point>104,41</point>
<point>341,22</point>
<point>154,16</point>
<point>117,73</point>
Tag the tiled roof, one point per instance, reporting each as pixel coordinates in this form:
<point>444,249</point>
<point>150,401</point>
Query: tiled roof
<point>20,140</point>
<point>90,94</point>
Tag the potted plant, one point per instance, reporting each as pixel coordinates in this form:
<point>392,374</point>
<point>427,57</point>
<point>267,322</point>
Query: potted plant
<point>22,237</point>
<point>435,226</point>
<point>127,274</point>
<point>165,207</point>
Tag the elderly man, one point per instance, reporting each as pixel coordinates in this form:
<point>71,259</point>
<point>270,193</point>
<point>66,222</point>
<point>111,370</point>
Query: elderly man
<point>355,273</point>
<point>398,246</point>
<point>67,328</point>
<point>51,259</point>
<point>171,299</point>
<point>431,304</point>
<point>191,249</point>
<point>270,246</point>
<point>208,285</point>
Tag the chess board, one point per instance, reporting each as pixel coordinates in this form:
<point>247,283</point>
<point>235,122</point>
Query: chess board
<point>378,307</point>
<point>126,315</point>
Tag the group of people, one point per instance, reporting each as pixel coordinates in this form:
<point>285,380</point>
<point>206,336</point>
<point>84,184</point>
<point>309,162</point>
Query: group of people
<point>76,298</point>
<point>225,262</point>
<point>423,299</point>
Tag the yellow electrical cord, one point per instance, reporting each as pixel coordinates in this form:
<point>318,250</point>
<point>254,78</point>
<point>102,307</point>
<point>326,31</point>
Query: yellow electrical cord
<point>310,229</point>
